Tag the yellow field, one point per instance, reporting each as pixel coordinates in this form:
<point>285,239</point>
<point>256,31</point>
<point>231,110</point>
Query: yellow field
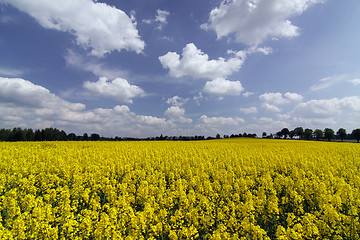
<point>218,189</point>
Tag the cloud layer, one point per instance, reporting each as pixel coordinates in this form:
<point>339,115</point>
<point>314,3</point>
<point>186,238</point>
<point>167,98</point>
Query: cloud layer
<point>110,29</point>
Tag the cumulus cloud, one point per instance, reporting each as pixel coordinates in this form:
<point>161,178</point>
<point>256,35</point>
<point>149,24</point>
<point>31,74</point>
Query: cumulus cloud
<point>253,22</point>
<point>278,98</point>
<point>20,92</point>
<point>196,64</point>
<point>249,110</point>
<point>177,114</point>
<point>270,108</point>
<point>177,101</point>
<point>222,87</point>
<point>217,121</point>
<point>118,88</point>
<point>27,105</point>
<point>328,107</point>
<point>97,26</point>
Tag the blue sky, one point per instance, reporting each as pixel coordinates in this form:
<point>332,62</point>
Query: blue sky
<point>144,68</point>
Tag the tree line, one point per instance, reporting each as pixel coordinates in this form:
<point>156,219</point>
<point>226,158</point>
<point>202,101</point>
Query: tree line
<point>318,134</point>
<point>54,134</point>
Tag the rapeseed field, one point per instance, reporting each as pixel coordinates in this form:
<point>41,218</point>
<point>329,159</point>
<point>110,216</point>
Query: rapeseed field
<point>216,189</point>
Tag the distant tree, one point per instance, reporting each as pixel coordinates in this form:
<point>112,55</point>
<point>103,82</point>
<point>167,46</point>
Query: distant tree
<point>291,134</point>
<point>299,131</point>
<point>279,134</point>
<point>285,132</point>
<point>4,134</point>
<point>63,135</point>
<point>95,137</point>
<point>17,134</point>
<point>329,134</point>
<point>85,137</point>
<point>71,137</point>
<point>264,135</point>
<point>308,133</point>
<point>38,135</point>
<point>356,134</point>
<point>217,136</point>
<point>29,134</point>
<point>318,133</point>
<point>341,133</point>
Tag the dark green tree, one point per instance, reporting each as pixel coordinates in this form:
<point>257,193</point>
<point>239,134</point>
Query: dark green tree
<point>318,133</point>
<point>329,134</point>
<point>356,134</point>
<point>308,133</point>
<point>285,132</point>
<point>85,137</point>
<point>341,133</point>
<point>94,137</point>
<point>292,134</point>
<point>71,137</point>
<point>29,134</point>
<point>17,134</point>
<point>299,131</point>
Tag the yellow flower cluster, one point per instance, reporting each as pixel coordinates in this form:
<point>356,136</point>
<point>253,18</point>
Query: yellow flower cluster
<point>216,189</point>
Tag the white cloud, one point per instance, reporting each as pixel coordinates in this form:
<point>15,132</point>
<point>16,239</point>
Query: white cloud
<point>177,101</point>
<point>293,97</point>
<point>270,108</point>
<point>355,81</point>
<point>10,72</point>
<point>216,121</point>
<point>24,104</point>
<point>248,94</point>
<point>249,110</point>
<point>160,18</point>
<point>328,107</point>
<point>278,98</point>
<point>223,87</point>
<point>20,92</point>
<point>91,65</point>
<point>196,64</point>
<point>97,26</point>
<point>177,114</point>
<point>327,82</point>
<point>255,21</point>
<point>118,88</point>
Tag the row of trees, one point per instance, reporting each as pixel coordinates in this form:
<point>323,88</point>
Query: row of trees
<point>53,134</point>
<point>317,134</point>
<point>47,134</point>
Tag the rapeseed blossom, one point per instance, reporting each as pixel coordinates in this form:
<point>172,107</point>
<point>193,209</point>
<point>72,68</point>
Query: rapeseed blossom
<point>218,189</point>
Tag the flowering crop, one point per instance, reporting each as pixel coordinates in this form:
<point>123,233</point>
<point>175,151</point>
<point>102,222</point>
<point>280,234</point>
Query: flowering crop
<point>218,189</point>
